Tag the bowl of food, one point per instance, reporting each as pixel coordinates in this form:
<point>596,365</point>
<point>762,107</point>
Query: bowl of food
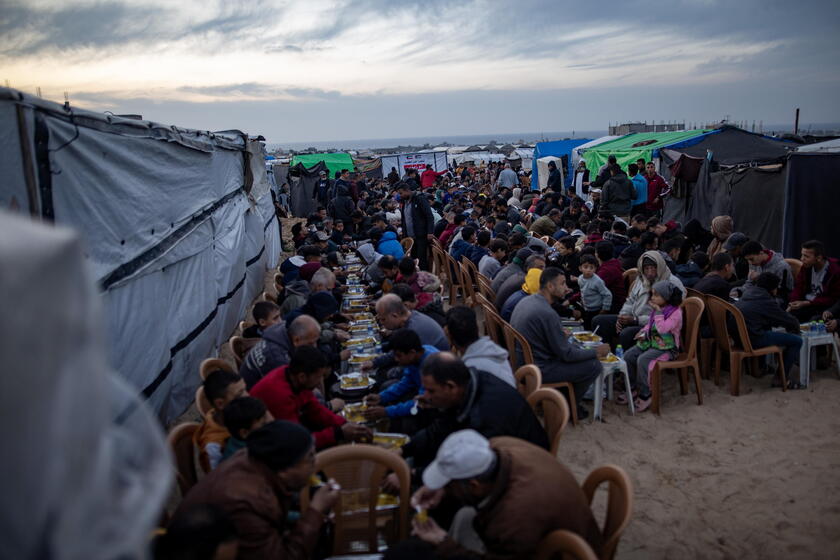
<point>609,359</point>
<point>390,440</point>
<point>355,382</point>
<point>587,338</point>
<point>355,412</point>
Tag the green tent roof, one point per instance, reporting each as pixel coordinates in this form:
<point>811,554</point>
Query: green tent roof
<point>334,162</point>
<point>625,152</point>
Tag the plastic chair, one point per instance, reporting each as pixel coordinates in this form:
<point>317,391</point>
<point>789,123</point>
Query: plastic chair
<point>528,380</point>
<point>619,504</point>
<point>360,469</point>
<point>555,414</point>
<point>278,282</point>
<point>180,440</point>
<point>706,344</point>
<point>212,364</point>
<point>795,266</point>
<point>485,289</point>
<point>493,322</point>
<point>202,403</point>
<point>268,297</point>
<point>724,343</point>
<point>455,278</point>
<point>566,545</point>
<point>468,282</point>
<point>439,262</point>
<point>692,309</point>
<point>629,276</point>
<point>407,244</point>
<point>239,347</point>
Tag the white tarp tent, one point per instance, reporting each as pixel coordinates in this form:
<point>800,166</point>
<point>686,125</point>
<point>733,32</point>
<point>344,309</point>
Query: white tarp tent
<point>178,232</point>
<point>828,146</point>
<point>418,161</point>
<point>476,157</point>
<point>542,170</point>
<point>86,471</point>
<point>577,153</point>
<point>525,157</point>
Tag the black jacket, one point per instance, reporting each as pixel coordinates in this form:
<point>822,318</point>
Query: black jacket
<point>617,196</point>
<point>492,408</point>
<point>421,214</point>
<point>555,181</point>
<point>342,207</point>
<point>269,353</point>
<point>713,284</point>
<point>762,313</point>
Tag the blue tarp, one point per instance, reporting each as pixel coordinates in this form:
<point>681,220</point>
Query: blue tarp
<point>557,148</point>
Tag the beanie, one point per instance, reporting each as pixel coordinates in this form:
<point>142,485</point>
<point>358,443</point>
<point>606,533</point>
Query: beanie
<point>279,444</point>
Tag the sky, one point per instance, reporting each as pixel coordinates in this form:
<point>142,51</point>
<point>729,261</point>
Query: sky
<point>296,71</point>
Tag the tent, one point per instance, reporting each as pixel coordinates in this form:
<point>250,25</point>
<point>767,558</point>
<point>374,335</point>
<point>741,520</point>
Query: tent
<point>821,147</point>
<point>178,225</point>
<point>523,157</point>
<point>372,168</point>
<point>810,201</point>
<point>630,147</point>
<point>577,153</point>
<point>334,161</point>
<point>476,157</point>
<point>561,149</point>
<point>542,170</point>
<point>416,160</point>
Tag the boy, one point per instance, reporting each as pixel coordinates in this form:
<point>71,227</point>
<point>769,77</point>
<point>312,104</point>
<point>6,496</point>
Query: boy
<point>266,313</point>
<point>490,264</point>
<point>569,259</point>
<point>594,295</point>
<point>220,387</point>
<point>242,416</point>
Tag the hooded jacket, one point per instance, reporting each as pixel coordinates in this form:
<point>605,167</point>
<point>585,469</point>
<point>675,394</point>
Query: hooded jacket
<point>777,265</point>
<point>617,196</point>
<point>389,245</point>
<point>342,206</point>
<point>613,276</point>
<point>762,312</point>
<point>637,304</point>
<point>486,355</point>
<point>269,353</point>
<point>504,273</point>
<point>297,294</point>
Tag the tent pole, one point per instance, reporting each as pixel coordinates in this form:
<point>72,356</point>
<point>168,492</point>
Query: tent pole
<point>26,156</point>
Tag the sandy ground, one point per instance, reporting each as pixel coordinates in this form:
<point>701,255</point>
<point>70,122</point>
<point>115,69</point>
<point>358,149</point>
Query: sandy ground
<point>755,476</point>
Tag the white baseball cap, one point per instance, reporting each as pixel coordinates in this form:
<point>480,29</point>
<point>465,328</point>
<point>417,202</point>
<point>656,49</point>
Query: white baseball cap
<point>462,455</point>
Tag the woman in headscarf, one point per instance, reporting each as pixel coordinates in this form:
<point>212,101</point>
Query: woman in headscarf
<point>722,227</point>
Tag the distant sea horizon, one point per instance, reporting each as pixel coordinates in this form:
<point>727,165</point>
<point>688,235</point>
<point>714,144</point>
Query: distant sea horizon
<point>500,138</point>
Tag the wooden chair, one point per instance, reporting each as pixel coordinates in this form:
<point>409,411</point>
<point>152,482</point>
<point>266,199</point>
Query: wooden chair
<point>692,309</point>
<point>528,380</point>
<point>278,282</point>
<point>468,274</point>
<point>439,263</point>
<point>552,407</point>
<point>202,403</point>
<point>724,343</point>
<point>407,245</point>
<point>485,289</point>
<point>240,346</point>
<point>493,323</point>
<point>212,364</point>
<point>629,276</point>
<point>360,469</point>
<point>795,266</point>
<point>180,440</point>
<point>455,278</point>
<point>619,504</point>
<point>565,545</point>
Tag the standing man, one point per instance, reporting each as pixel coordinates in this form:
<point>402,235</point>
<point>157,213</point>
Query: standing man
<point>618,194</point>
<point>657,188</point>
<point>428,177</point>
<point>555,178</point>
<point>418,222</point>
<point>640,184</point>
<point>507,178</point>
<point>323,189</point>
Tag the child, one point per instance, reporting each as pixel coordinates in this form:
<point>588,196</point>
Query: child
<point>265,314</point>
<point>242,416</point>
<point>657,341</point>
<point>220,388</point>
<point>594,294</point>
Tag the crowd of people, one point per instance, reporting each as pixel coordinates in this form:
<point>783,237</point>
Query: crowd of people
<point>596,252</point>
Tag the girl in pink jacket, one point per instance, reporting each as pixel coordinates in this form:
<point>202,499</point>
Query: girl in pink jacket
<point>659,340</point>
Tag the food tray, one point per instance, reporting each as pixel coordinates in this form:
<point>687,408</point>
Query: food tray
<point>586,338</point>
<point>390,440</point>
<point>354,412</point>
<point>355,382</point>
<point>361,358</point>
<point>361,317</point>
<point>363,341</point>
<point>610,359</point>
<point>356,501</point>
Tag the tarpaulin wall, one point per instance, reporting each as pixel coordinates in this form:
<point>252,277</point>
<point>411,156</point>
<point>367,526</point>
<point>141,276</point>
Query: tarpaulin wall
<point>303,184</point>
<point>177,240</point>
<point>811,202</point>
<point>417,161</point>
<point>630,147</point>
<point>334,161</point>
<point>561,149</point>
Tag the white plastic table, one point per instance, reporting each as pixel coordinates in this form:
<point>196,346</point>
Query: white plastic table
<point>607,370</point>
<point>809,343</point>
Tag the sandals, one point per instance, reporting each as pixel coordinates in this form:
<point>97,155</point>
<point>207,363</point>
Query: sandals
<point>621,397</point>
<point>641,404</point>
<point>794,385</point>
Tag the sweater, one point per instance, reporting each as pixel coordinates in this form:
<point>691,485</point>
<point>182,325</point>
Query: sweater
<point>594,293</point>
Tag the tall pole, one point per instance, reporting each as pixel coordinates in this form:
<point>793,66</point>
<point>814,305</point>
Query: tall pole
<point>796,122</point>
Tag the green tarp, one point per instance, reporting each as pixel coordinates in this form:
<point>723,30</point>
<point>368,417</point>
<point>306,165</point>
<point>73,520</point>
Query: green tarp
<point>334,162</point>
<point>627,149</point>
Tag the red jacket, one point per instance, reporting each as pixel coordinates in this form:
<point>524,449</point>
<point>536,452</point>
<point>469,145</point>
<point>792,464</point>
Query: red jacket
<point>656,188</point>
<point>427,178</point>
<point>301,408</point>
<point>830,285</point>
<point>613,276</point>
<point>446,234</point>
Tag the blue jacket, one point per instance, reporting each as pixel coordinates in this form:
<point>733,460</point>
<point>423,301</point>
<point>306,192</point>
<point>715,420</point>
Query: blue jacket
<point>459,249</point>
<point>476,252</point>
<point>408,385</point>
<point>640,184</point>
<point>389,245</point>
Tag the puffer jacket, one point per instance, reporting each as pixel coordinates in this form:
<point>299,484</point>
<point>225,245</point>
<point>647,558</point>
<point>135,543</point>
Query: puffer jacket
<point>389,245</point>
<point>269,353</point>
<point>637,304</point>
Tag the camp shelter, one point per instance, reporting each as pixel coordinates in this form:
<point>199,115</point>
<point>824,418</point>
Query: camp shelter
<point>542,171</point>
<point>630,147</point>
<point>178,227</point>
<point>372,168</point>
<point>577,153</point>
<point>728,171</point>
<point>560,149</point>
<point>821,147</point>
<point>415,160</point>
<point>811,192</point>
<point>334,161</point>
<point>522,158</point>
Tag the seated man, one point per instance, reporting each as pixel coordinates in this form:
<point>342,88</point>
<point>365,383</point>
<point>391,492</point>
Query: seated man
<point>530,286</point>
<point>265,314</point>
<point>393,315</point>
<point>490,264</point>
<point>464,245</point>
<point>256,488</point>
<point>817,285</point>
<point>276,345</point>
<point>242,416</point>
<point>765,260</point>
<point>287,394</point>
<point>514,266</point>
<point>467,398</point>
<point>481,248</point>
<point>479,353</point>
<point>716,282</point>
<point>382,274</point>
<point>830,317</point>
<point>397,401</point>
<point>762,313</point>
<point>508,507</point>
<point>220,388</point>
<point>557,358</point>
<point>514,282</point>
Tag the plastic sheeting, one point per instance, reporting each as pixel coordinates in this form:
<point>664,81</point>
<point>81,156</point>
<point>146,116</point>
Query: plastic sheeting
<point>630,147</point>
<point>578,151</point>
<point>418,161</point>
<point>86,471</point>
<point>334,161</point>
<point>303,184</point>
<point>561,149</point>
<point>821,147</point>
<point>177,245</point>
<point>811,193</point>
<point>542,171</point>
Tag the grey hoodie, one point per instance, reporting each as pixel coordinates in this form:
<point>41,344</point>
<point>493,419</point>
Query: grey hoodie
<point>297,294</point>
<point>778,266</point>
<point>486,355</point>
